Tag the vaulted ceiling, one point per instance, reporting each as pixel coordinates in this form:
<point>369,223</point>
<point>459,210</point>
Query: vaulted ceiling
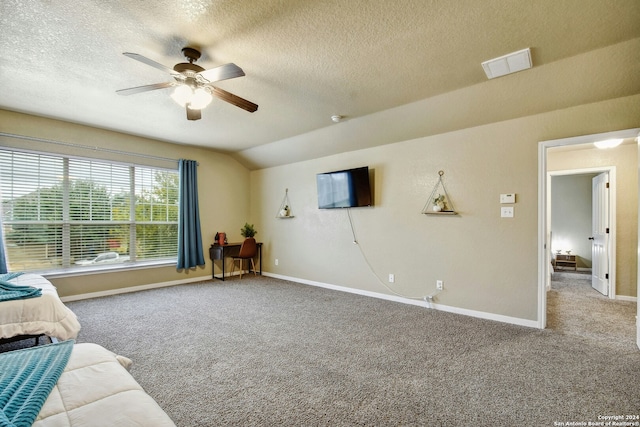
<point>304,60</point>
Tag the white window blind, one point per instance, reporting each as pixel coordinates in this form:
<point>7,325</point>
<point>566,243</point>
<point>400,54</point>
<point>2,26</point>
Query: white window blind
<point>63,212</point>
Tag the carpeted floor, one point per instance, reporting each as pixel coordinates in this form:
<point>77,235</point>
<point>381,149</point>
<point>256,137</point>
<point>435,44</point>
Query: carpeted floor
<point>266,352</point>
<point>575,308</point>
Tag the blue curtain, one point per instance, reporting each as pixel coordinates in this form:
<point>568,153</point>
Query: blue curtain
<point>3,258</point>
<point>189,237</point>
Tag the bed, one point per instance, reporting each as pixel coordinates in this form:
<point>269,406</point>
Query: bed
<point>64,384</point>
<point>95,390</point>
<point>43,315</point>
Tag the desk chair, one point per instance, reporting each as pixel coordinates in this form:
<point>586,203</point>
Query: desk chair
<point>248,250</point>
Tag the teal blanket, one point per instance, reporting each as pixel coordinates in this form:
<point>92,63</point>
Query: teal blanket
<point>10,291</point>
<point>26,379</point>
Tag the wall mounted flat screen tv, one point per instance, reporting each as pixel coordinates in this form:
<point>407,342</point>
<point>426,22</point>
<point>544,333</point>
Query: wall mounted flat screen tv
<point>344,189</point>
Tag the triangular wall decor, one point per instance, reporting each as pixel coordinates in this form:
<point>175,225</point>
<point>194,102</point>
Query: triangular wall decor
<point>439,202</point>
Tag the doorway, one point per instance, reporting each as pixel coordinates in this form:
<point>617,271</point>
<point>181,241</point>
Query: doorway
<point>544,238</point>
<point>580,300</point>
<point>576,215</point>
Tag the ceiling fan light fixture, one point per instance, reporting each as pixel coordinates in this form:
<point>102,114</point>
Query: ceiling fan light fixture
<point>182,95</point>
<point>192,84</point>
<point>200,99</point>
<point>196,99</point>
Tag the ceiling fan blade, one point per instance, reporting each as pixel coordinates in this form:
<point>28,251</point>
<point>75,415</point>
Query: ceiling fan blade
<point>223,72</point>
<point>146,88</point>
<point>148,61</point>
<point>233,99</point>
<point>193,114</point>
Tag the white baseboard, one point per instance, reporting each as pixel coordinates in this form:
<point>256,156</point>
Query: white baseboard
<point>133,289</point>
<point>421,303</point>
<point>626,298</point>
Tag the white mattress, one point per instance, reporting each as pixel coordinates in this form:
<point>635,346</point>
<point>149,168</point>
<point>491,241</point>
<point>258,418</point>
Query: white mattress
<point>34,316</point>
<point>95,390</point>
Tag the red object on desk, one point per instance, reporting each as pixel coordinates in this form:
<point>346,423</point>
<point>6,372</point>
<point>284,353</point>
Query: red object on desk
<point>221,237</point>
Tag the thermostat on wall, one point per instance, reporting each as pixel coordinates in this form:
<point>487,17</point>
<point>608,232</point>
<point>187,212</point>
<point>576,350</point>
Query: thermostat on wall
<point>508,198</point>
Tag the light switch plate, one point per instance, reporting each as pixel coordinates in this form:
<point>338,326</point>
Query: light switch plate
<point>508,198</point>
<point>506,212</point>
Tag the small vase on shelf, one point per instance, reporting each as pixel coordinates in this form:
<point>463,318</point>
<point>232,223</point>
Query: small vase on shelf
<point>438,203</point>
<point>284,211</point>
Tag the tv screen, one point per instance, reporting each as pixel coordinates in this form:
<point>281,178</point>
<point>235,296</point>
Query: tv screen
<point>344,189</point>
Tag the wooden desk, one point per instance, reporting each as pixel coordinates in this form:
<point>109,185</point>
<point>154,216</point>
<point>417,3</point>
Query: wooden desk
<point>220,252</point>
<point>568,261</point>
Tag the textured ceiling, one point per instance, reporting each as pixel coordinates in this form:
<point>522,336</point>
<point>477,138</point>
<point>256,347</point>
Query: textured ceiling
<point>304,60</point>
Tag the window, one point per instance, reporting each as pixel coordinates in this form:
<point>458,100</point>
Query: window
<point>63,212</point>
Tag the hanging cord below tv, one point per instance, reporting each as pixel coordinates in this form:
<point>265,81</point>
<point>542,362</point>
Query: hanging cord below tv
<point>427,298</point>
<point>353,231</point>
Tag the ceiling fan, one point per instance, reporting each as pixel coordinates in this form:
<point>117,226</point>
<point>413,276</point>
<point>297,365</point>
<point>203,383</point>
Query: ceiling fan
<point>193,84</point>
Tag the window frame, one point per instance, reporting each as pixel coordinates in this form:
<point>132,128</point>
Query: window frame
<point>70,269</point>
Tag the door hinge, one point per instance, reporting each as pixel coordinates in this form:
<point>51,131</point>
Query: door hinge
<point>606,276</point>
<point>607,231</point>
<point>607,185</point>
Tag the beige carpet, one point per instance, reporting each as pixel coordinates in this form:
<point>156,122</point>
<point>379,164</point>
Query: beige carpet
<point>266,352</point>
<point>575,308</point>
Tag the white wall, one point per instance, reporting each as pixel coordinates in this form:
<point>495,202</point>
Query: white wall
<point>488,263</point>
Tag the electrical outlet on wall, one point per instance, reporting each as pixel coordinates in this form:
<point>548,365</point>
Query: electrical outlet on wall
<point>392,278</point>
<point>439,285</point>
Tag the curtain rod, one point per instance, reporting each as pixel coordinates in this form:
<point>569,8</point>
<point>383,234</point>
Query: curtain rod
<point>87,147</point>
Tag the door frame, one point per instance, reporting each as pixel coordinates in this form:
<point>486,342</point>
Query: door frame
<point>543,208</point>
<point>611,244</point>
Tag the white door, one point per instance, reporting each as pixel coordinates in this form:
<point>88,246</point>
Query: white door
<point>600,237</point>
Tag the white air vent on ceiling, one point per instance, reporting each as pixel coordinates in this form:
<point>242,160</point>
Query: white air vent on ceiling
<point>507,64</point>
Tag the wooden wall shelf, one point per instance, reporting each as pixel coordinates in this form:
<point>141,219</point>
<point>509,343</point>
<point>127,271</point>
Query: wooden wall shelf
<point>441,213</point>
<point>430,204</point>
<point>285,204</point>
